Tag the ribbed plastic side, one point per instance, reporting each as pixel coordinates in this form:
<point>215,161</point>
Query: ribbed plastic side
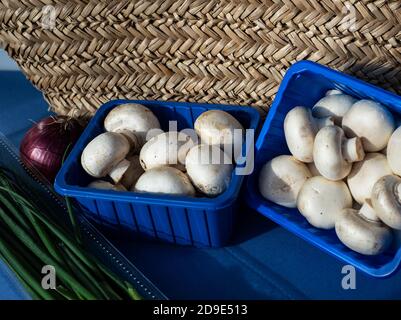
<point>202,228</point>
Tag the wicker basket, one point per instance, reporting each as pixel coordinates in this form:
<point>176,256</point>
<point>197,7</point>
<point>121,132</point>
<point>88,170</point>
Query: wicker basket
<point>83,53</point>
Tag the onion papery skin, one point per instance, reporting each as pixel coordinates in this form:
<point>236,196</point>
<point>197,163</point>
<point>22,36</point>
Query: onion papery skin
<point>44,145</point>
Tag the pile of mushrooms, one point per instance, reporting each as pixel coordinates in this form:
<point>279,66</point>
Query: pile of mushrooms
<point>134,154</point>
<point>343,172</point>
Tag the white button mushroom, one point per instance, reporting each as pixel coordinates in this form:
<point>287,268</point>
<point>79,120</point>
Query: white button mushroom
<point>281,178</point>
<point>386,199</point>
<point>333,153</point>
<point>361,234</point>
<point>364,175</point>
<point>219,128</point>
<point>165,180</point>
<point>320,201</point>
<point>394,151</point>
<point>133,117</point>
<point>209,169</point>
<point>370,121</point>
<point>133,173</point>
<point>105,155</point>
<point>169,148</point>
<point>105,185</point>
<point>334,104</point>
<point>300,129</point>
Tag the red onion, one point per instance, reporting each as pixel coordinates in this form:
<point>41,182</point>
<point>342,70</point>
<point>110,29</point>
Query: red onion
<point>45,144</point>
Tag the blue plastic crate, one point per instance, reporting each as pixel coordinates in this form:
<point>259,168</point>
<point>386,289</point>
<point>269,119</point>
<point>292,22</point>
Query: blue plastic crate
<point>303,85</point>
<point>176,219</point>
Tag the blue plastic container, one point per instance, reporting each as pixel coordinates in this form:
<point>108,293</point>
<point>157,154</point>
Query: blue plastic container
<point>303,85</point>
<point>182,220</point>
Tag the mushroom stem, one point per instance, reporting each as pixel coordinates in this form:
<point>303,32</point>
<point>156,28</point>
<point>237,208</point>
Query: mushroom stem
<point>119,170</point>
<point>133,173</point>
<point>352,150</point>
<point>324,122</point>
<point>368,212</point>
<point>133,139</point>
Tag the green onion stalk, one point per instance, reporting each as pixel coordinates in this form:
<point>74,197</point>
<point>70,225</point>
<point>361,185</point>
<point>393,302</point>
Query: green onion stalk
<point>31,238</point>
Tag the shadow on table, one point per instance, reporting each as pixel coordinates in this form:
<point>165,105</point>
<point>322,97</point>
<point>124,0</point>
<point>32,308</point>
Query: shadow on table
<point>194,273</point>
<point>184,272</point>
<point>250,224</point>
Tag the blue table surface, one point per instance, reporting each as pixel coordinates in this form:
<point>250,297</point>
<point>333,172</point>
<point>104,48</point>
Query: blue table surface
<point>264,261</point>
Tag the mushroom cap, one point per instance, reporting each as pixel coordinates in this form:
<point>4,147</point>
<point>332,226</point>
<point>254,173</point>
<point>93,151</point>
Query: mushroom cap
<point>364,175</point>
<point>333,91</point>
<point>328,155</point>
<point>333,105</point>
<point>300,130</point>
<point>361,235</point>
<point>370,121</point>
<point>320,201</point>
<point>133,117</point>
<point>217,127</point>
<point>103,153</point>
<point>165,180</point>
<point>386,199</point>
<point>105,185</point>
<point>281,178</point>
<point>166,149</point>
<point>394,151</point>
<point>209,169</point>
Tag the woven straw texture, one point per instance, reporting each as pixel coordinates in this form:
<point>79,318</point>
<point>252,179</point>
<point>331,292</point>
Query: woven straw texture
<point>233,52</point>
